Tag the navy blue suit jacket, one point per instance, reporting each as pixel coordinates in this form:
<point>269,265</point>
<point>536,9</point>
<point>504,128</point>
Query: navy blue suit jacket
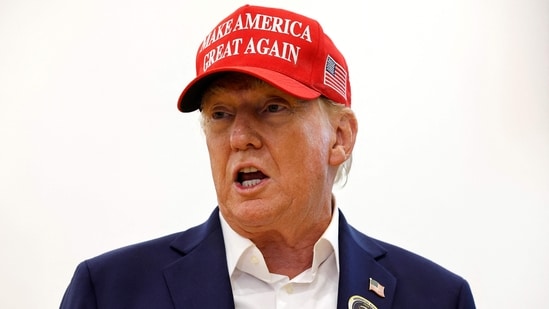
<point>189,270</point>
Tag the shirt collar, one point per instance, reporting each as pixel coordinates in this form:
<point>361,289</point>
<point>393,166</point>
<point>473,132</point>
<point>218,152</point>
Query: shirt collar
<point>236,245</point>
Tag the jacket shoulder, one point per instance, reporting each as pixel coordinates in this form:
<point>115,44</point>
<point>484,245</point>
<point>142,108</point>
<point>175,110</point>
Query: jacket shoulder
<point>133,276</point>
<point>159,250</point>
<point>420,281</point>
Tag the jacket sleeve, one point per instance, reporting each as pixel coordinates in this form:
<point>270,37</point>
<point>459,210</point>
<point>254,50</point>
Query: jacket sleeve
<point>80,293</point>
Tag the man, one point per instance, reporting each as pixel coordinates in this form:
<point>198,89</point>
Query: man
<point>275,97</point>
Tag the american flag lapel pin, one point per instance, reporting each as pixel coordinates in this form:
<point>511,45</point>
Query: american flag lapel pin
<point>377,288</point>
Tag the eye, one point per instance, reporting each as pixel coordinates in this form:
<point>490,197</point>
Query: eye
<point>275,108</point>
<point>219,115</point>
<point>217,112</point>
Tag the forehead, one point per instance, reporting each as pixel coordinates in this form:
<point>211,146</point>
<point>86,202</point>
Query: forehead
<point>226,84</point>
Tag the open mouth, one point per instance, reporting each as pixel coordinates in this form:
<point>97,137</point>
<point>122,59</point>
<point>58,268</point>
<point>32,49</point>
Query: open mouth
<point>249,177</point>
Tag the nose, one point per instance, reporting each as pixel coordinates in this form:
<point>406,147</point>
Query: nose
<point>244,134</point>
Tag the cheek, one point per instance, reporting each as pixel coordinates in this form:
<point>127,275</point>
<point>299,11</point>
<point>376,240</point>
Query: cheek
<point>218,158</point>
<point>309,148</point>
<point>317,140</point>
<point>215,142</point>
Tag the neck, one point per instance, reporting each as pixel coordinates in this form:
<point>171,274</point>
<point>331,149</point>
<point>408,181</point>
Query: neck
<point>290,255</point>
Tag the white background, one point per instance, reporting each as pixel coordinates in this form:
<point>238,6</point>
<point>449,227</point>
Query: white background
<point>452,159</point>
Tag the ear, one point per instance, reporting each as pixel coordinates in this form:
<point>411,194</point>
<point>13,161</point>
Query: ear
<point>346,129</point>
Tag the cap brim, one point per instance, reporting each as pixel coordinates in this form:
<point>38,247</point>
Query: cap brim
<point>190,98</point>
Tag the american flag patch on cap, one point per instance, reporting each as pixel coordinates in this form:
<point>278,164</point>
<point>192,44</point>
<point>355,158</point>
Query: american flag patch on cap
<point>335,76</point>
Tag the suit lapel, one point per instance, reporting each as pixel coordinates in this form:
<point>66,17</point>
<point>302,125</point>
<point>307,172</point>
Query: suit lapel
<point>358,256</point>
<point>200,278</point>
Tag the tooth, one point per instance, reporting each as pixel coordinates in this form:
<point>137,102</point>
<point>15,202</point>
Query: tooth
<point>250,183</point>
<point>248,170</point>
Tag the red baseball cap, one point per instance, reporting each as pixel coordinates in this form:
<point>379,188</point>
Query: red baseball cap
<point>285,49</point>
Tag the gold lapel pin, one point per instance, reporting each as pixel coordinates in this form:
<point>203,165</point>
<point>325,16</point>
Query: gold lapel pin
<point>359,302</point>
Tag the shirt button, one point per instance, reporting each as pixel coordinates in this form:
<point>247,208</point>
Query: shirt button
<point>289,288</point>
<point>254,260</point>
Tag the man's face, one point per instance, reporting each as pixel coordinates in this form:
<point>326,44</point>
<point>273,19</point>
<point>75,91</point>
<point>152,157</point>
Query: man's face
<point>269,154</point>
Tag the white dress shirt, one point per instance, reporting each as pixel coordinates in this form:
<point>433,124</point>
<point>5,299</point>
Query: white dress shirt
<point>255,287</point>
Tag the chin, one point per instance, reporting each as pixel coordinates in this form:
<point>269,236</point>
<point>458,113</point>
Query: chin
<point>249,213</point>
